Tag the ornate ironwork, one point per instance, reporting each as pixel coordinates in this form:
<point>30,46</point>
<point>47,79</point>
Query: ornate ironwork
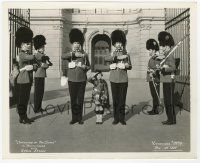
<point>17,18</point>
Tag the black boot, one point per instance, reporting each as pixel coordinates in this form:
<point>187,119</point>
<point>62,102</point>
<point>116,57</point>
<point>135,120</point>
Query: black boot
<point>81,122</point>
<point>169,123</point>
<point>72,122</point>
<point>152,112</point>
<point>155,109</point>
<point>115,122</point>
<point>123,122</point>
<point>28,119</point>
<point>165,122</point>
<point>23,119</point>
<point>39,111</point>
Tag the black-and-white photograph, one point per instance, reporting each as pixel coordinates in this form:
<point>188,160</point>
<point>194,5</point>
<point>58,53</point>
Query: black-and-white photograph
<point>99,80</point>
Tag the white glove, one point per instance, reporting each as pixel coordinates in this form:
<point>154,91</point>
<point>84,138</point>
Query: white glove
<point>151,75</point>
<point>165,66</point>
<point>121,65</point>
<point>17,58</point>
<point>126,65</point>
<point>172,76</point>
<point>113,66</point>
<point>29,67</point>
<point>63,81</point>
<point>79,64</point>
<point>157,66</point>
<point>97,96</point>
<point>22,69</point>
<point>71,64</point>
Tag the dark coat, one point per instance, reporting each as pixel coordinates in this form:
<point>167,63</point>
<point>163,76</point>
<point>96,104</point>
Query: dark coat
<point>119,75</point>
<point>153,61</point>
<point>41,71</point>
<point>166,77</point>
<point>77,74</point>
<point>25,76</point>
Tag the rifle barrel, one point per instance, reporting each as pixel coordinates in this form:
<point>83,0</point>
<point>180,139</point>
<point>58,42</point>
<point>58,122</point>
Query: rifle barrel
<point>173,49</point>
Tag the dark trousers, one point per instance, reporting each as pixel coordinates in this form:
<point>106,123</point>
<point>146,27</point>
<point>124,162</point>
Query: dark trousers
<point>168,94</point>
<point>154,95</point>
<point>38,93</point>
<point>119,91</point>
<point>23,98</point>
<point>77,92</point>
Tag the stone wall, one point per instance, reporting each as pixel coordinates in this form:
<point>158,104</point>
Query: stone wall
<point>138,24</point>
<point>50,24</point>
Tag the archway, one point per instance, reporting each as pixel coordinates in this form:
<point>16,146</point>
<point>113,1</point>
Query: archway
<point>101,47</point>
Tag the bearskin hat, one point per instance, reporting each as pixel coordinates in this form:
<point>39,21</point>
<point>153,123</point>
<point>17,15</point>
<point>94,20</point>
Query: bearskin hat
<point>23,35</point>
<point>152,44</point>
<point>165,39</point>
<point>118,36</point>
<point>39,41</point>
<point>76,35</point>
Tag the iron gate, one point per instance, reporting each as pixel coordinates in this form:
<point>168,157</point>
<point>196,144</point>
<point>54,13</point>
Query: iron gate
<point>17,18</point>
<point>177,22</point>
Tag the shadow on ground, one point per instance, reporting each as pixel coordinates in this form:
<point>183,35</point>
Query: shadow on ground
<point>135,109</point>
<point>51,110</point>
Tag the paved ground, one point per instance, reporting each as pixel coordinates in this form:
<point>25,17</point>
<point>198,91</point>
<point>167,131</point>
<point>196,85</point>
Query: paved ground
<point>51,131</point>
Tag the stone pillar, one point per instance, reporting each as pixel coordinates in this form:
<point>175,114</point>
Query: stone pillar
<point>50,24</point>
<point>133,49</point>
<point>151,22</point>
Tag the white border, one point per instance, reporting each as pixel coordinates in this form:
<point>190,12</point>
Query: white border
<point>145,155</point>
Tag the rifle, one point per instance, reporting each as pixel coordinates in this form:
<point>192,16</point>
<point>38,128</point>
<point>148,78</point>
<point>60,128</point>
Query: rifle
<point>43,60</point>
<point>169,54</point>
<point>47,59</point>
<point>172,50</point>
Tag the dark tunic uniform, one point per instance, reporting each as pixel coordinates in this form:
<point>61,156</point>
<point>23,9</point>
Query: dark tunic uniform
<point>153,61</point>
<point>40,75</point>
<point>168,80</point>
<point>77,82</point>
<point>24,82</point>
<point>119,85</point>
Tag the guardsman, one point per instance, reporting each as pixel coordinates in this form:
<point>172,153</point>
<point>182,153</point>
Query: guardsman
<point>25,78</point>
<point>100,96</point>
<point>119,64</point>
<point>166,42</point>
<point>39,42</point>
<point>153,76</point>
<point>78,65</point>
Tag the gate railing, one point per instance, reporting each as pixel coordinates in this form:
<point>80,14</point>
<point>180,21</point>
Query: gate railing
<point>179,26</point>
<point>177,22</point>
<point>17,18</point>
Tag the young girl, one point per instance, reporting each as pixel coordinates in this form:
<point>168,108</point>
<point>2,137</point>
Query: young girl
<point>39,43</point>
<point>153,76</point>
<point>119,64</point>
<point>77,68</point>
<point>166,42</point>
<point>25,78</point>
<point>100,96</point>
